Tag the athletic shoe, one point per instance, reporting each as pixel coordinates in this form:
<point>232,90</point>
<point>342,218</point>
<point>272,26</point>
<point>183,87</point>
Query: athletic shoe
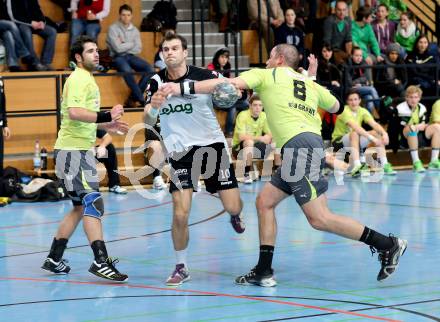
<point>118,189</point>
<point>389,259</point>
<point>360,170</point>
<point>238,223</point>
<point>418,166</point>
<point>56,267</point>
<point>108,270</point>
<point>247,178</point>
<point>180,275</point>
<point>253,278</point>
<point>434,165</point>
<point>158,183</point>
<point>388,169</point>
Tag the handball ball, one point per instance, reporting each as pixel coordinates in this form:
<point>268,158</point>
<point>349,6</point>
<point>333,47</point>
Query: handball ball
<point>225,95</point>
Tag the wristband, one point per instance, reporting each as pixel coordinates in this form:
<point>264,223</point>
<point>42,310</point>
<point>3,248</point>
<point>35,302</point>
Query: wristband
<point>412,133</point>
<point>187,88</point>
<point>153,112</point>
<point>103,117</point>
<point>370,137</point>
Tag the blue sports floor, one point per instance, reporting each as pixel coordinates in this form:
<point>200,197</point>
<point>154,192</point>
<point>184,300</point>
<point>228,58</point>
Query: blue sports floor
<point>321,277</point>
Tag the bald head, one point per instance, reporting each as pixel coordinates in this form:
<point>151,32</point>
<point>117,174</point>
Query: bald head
<point>289,54</point>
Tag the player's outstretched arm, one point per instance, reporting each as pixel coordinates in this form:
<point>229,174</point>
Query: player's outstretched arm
<point>84,115</point>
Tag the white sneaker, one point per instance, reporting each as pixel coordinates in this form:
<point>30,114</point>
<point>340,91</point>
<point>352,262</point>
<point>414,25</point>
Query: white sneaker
<point>118,189</point>
<point>158,183</point>
<point>247,179</point>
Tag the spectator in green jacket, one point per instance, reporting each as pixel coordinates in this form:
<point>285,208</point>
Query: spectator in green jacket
<point>363,36</point>
<point>407,31</point>
<point>395,8</point>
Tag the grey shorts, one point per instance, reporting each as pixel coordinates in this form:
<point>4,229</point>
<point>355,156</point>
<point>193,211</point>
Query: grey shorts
<point>77,171</point>
<point>301,171</point>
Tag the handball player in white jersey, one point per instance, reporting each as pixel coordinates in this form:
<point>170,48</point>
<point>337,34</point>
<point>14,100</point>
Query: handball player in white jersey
<point>195,145</point>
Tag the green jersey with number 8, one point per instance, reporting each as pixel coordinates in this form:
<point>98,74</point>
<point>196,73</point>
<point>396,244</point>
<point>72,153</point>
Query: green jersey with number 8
<point>290,101</point>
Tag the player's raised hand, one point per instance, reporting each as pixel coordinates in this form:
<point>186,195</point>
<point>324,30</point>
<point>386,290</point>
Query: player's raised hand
<point>158,99</point>
<point>117,111</point>
<point>116,127</point>
<point>313,65</point>
<point>170,89</point>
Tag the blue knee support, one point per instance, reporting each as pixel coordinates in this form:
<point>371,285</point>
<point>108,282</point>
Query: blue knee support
<point>93,205</point>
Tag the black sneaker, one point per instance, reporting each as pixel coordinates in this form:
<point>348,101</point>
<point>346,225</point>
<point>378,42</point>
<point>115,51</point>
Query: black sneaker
<point>56,267</point>
<point>253,278</point>
<point>389,259</point>
<point>238,223</point>
<point>108,270</point>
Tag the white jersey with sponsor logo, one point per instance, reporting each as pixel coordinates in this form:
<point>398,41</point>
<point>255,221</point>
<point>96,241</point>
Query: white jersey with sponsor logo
<point>188,120</point>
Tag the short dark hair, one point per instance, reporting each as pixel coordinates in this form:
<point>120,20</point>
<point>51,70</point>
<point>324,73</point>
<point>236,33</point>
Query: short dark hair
<point>351,92</point>
<point>363,12</point>
<point>171,35</point>
<point>354,48</point>
<point>384,5</point>
<point>78,46</point>
<point>253,98</point>
<point>125,7</point>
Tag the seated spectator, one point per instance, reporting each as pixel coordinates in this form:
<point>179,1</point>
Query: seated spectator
<point>5,133</point>
<point>328,74</point>
<point>252,132</point>
<point>287,33</point>
<point>407,32</point>
<point>395,7</point>
<point>391,80</point>
<point>363,36</point>
<point>124,43</point>
<point>384,29</point>
<point>435,113</point>
<point>276,17</point>
<point>29,18</point>
<point>412,116</point>
<point>424,74</point>
<point>154,155</point>
<point>358,77</point>
<point>220,62</point>
<point>87,16</point>
<point>349,133</point>
<point>106,154</point>
<point>337,32</point>
<point>12,41</point>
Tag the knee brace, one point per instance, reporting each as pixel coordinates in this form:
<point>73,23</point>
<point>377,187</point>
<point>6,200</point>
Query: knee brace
<point>93,205</point>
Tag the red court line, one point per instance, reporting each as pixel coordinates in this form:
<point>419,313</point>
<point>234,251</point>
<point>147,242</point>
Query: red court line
<point>108,214</point>
<point>319,308</point>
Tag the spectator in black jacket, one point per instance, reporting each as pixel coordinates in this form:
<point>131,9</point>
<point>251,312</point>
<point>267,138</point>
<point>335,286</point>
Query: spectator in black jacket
<point>287,33</point>
<point>29,18</point>
<point>391,80</point>
<point>5,133</point>
<point>424,73</point>
<point>328,74</point>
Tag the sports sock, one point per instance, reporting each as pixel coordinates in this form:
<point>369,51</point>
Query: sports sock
<point>156,173</point>
<point>375,239</point>
<point>247,169</point>
<point>181,256</point>
<point>434,154</point>
<point>265,259</point>
<point>414,155</point>
<point>57,249</point>
<point>100,251</point>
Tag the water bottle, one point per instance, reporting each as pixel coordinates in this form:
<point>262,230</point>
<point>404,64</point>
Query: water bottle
<point>37,159</point>
<point>43,163</point>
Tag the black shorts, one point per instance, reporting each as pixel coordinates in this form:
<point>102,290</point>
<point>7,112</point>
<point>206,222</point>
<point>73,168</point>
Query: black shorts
<point>263,148</point>
<point>213,162</point>
<point>301,171</point>
<point>151,135</point>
